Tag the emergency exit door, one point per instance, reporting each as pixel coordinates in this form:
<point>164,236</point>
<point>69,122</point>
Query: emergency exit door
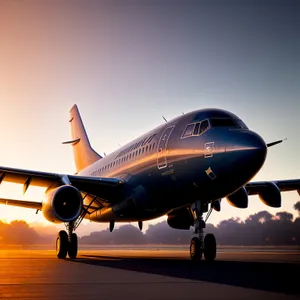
<point>162,147</point>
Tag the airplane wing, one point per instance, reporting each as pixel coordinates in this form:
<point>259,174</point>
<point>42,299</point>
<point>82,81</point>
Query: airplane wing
<point>22,203</point>
<point>254,188</point>
<point>107,189</point>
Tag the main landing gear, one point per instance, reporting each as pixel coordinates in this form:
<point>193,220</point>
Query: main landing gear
<point>199,244</point>
<point>67,243</point>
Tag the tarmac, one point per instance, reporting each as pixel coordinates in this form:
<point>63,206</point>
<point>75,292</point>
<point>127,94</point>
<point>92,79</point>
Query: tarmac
<point>155,273</point>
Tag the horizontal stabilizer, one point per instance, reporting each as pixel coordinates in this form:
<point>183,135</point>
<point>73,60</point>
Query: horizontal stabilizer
<point>73,142</point>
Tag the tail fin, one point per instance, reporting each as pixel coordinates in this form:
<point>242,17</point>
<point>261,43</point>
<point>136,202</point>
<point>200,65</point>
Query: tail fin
<point>84,154</point>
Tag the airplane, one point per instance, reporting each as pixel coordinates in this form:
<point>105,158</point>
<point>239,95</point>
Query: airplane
<point>182,169</point>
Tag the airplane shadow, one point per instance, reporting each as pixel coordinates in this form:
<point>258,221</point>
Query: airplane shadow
<point>267,276</point>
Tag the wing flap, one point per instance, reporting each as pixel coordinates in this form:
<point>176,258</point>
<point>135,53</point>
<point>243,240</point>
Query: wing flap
<point>22,203</point>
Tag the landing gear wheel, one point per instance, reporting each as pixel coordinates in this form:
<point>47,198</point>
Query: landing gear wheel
<point>210,247</point>
<point>195,249</point>
<point>73,246</point>
<point>62,244</point>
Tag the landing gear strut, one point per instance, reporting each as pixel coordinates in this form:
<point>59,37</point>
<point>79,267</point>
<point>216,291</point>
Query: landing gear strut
<point>67,243</point>
<point>200,245</point>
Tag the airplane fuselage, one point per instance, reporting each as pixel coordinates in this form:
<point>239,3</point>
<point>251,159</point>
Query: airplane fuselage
<point>206,154</point>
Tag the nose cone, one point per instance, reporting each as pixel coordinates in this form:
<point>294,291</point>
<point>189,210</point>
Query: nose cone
<point>248,152</point>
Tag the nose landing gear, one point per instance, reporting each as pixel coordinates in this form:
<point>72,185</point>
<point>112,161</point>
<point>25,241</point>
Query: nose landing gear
<point>200,245</point>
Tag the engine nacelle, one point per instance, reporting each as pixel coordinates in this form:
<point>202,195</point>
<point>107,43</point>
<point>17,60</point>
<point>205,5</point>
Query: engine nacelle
<point>239,198</point>
<point>181,218</point>
<point>62,204</point>
<point>270,195</point>
<point>216,205</point>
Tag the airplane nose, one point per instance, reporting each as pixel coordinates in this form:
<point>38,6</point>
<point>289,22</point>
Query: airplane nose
<point>248,150</point>
<point>247,140</point>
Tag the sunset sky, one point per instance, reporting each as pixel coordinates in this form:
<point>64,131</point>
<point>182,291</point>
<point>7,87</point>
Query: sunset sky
<point>127,63</point>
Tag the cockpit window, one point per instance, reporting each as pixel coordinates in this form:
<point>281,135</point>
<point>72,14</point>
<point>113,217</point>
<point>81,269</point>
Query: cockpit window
<point>223,123</point>
<point>196,129</point>
<point>204,126</point>
<point>241,124</point>
<point>188,130</point>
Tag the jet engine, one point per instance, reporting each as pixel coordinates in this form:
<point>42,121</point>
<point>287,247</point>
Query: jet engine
<point>239,198</point>
<point>270,195</point>
<point>216,205</point>
<point>181,218</point>
<point>62,204</point>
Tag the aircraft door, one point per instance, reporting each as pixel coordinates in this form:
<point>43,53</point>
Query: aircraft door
<point>162,147</point>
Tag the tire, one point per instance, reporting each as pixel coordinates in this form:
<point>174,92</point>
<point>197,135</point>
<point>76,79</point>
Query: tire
<point>195,249</point>
<point>210,247</point>
<point>62,244</point>
<point>73,246</point>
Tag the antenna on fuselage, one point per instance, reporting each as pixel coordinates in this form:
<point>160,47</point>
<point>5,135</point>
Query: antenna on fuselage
<point>165,119</point>
<point>119,145</point>
<point>104,153</point>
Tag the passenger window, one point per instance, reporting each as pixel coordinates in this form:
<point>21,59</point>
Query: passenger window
<point>204,126</point>
<point>188,130</point>
<point>196,129</point>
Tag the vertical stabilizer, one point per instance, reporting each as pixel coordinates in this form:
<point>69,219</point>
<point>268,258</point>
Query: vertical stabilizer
<point>84,154</point>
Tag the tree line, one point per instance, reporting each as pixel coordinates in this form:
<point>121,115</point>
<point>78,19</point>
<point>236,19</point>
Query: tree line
<point>261,228</point>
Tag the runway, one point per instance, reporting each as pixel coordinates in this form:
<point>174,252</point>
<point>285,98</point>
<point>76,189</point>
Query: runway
<point>155,273</point>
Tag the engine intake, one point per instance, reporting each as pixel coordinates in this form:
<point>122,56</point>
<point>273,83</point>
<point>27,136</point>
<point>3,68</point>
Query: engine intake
<point>63,204</point>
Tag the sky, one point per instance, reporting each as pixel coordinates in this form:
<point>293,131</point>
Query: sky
<point>128,63</point>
